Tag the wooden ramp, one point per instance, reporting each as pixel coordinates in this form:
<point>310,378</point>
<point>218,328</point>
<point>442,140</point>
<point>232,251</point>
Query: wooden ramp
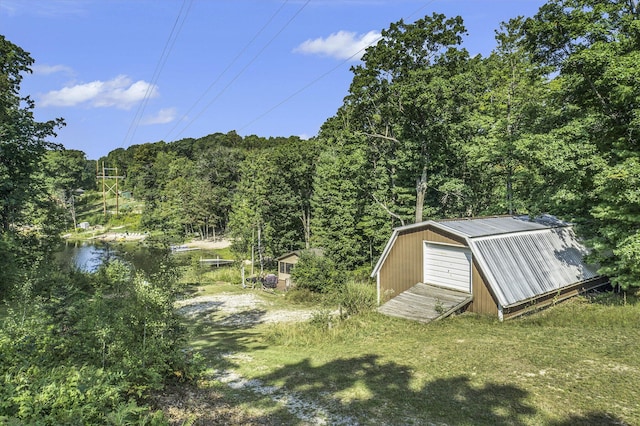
<point>425,303</point>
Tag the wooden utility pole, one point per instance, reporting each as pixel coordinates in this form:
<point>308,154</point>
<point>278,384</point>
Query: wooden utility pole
<point>109,186</point>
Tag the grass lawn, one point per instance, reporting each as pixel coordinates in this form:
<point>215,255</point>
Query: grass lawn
<point>575,363</point>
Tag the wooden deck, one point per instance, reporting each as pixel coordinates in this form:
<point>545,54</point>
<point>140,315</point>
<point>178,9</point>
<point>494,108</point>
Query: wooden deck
<point>425,303</point>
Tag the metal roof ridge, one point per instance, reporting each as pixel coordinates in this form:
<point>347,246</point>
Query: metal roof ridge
<point>518,232</point>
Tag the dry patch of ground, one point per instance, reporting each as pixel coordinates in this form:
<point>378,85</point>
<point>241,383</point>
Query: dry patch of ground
<point>239,310</point>
<point>209,245</point>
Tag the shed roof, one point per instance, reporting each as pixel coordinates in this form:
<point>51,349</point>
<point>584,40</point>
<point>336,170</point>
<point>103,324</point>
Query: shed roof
<point>484,226</point>
<point>521,258</point>
<point>522,265</point>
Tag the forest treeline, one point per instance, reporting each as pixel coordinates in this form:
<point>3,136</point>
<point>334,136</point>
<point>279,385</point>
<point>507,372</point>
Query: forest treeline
<point>549,122</point>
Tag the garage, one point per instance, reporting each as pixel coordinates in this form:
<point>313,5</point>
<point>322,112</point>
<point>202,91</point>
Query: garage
<point>509,265</point>
<point>447,266</point>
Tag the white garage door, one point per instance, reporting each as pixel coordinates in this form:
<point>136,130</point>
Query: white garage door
<point>447,266</point>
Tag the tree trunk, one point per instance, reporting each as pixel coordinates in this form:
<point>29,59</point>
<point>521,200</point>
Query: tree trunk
<point>421,191</point>
<point>510,190</point>
<point>306,224</point>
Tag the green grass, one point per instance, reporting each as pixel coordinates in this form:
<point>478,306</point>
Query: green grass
<point>90,208</point>
<point>575,363</point>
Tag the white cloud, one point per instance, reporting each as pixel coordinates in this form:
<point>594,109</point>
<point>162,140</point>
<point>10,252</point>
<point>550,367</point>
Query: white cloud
<point>119,92</point>
<point>51,69</point>
<point>341,45</point>
<point>165,115</point>
<point>47,8</point>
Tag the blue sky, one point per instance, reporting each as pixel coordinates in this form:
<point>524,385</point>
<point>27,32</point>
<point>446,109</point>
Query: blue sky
<point>124,72</point>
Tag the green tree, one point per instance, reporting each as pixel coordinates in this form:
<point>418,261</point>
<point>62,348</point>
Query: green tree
<point>406,119</point>
<point>219,166</point>
<point>408,101</point>
<point>273,198</point>
<point>317,273</point>
<point>23,141</point>
<point>338,202</point>
<point>23,203</point>
<point>591,49</point>
<point>505,177</point>
<point>65,171</point>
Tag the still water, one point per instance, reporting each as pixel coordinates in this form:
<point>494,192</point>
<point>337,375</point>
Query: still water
<point>88,257</point>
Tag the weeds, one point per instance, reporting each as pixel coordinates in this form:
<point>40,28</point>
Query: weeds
<point>322,319</point>
<point>358,297</point>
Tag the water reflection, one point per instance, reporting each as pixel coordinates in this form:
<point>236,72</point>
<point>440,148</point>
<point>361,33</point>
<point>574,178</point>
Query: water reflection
<point>89,256</point>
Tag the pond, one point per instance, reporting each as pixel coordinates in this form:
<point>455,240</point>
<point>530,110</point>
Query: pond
<point>89,256</point>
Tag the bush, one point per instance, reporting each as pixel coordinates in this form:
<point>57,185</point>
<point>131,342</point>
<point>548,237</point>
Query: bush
<point>80,354</point>
<point>60,395</point>
<point>322,319</point>
<point>317,273</point>
<point>361,274</point>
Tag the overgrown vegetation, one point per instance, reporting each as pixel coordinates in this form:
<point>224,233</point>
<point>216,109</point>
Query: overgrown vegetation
<point>80,349</point>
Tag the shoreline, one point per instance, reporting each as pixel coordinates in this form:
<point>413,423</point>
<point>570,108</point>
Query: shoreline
<point>111,236</point>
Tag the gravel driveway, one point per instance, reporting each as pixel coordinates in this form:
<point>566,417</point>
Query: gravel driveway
<point>240,310</point>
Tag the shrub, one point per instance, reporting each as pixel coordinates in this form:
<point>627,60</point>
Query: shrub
<point>317,273</point>
<point>361,274</point>
<point>322,319</point>
<point>60,395</point>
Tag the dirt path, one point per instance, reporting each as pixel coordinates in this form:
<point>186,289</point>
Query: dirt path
<point>239,310</point>
<point>242,311</point>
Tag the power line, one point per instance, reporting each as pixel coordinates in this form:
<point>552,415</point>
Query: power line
<point>245,67</point>
<point>326,73</point>
<point>235,59</point>
<point>166,51</point>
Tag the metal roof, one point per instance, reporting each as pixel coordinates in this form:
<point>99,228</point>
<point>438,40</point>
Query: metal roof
<point>523,265</point>
<point>479,227</point>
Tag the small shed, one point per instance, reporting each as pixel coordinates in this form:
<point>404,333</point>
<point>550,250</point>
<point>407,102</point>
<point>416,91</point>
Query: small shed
<point>286,262</point>
<point>506,265</point>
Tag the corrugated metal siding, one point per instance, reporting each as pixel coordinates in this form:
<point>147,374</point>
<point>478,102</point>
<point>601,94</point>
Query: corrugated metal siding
<point>524,265</point>
<point>402,268</point>
<point>554,297</point>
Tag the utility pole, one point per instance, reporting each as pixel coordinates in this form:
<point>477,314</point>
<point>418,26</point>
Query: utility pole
<point>109,186</point>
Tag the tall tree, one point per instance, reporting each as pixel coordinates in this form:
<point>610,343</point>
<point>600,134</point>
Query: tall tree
<point>23,141</point>
<point>407,112</point>
<point>402,98</point>
<point>219,166</point>
<point>505,117</point>
<point>273,197</point>
<point>592,48</point>
<point>65,171</point>
<point>338,203</point>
